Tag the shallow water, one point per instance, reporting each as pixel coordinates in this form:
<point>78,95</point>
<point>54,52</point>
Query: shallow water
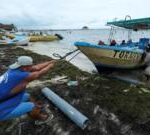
<point>70,36</point>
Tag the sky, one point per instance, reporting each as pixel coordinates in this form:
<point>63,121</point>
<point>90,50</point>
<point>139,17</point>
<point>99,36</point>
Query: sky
<point>70,14</point>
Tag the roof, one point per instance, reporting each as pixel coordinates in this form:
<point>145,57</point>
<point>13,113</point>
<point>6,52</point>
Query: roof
<point>8,27</point>
<point>135,24</point>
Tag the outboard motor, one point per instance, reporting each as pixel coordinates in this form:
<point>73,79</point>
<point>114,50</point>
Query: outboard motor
<point>59,36</point>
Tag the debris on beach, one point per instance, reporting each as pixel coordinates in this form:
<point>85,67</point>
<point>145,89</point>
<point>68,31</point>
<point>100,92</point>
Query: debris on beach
<point>104,101</point>
<point>72,83</point>
<point>145,90</point>
<point>59,80</point>
<point>76,116</point>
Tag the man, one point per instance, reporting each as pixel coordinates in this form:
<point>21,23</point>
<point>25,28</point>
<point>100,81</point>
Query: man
<point>113,43</point>
<point>13,97</point>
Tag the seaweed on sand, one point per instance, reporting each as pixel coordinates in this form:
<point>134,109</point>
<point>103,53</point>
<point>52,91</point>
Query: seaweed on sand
<point>113,107</point>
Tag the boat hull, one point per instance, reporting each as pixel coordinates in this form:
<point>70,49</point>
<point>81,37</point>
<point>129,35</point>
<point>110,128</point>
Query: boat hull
<point>21,40</point>
<point>13,39</point>
<point>7,43</point>
<point>112,57</point>
<point>43,38</point>
<point>109,69</point>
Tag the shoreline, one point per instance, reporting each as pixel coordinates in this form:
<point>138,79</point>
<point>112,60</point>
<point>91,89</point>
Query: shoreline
<point>110,105</point>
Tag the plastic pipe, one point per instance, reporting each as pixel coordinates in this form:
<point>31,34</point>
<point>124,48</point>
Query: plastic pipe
<point>66,108</point>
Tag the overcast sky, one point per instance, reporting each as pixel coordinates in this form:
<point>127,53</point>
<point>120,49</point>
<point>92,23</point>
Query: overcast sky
<point>70,13</point>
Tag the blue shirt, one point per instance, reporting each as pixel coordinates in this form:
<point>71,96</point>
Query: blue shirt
<point>8,81</point>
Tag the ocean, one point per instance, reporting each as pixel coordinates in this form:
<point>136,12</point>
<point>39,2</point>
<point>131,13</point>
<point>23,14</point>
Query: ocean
<point>88,35</point>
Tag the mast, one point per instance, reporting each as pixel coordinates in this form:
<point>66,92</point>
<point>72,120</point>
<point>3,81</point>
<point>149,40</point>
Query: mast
<point>112,32</point>
<point>129,30</point>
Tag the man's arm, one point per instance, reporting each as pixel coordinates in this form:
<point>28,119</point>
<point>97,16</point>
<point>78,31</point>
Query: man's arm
<point>32,76</point>
<point>19,87</point>
<point>41,65</point>
<point>35,75</point>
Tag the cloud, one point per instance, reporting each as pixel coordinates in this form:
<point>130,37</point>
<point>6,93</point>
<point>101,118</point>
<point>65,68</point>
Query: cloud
<point>68,13</point>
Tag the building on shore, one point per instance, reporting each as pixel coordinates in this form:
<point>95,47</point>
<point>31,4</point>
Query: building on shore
<point>8,27</point>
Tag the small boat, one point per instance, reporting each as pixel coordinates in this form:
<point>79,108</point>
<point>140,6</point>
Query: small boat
<point>36,38</point>
<point>14,40</point>
<point>118,57</point>
<point>9,38</point>
<point>21,40</point>
<point>4,42</point>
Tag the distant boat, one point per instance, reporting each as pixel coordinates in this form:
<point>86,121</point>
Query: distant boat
<point>126,56</point>
<point>34,37</point>
<point>21,40</point>
<point>85,27</point>
<point>46,38</point>
<point>37,38</point>
<point>14,40</point>
<point>4,42</point>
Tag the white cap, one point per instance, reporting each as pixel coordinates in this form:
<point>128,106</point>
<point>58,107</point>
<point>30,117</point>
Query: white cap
<point>22,61</point>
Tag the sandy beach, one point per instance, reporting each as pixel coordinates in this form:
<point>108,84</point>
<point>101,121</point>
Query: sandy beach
<point>113,107</point>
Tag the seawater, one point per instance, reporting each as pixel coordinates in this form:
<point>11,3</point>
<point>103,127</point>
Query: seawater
<point>70,36</point>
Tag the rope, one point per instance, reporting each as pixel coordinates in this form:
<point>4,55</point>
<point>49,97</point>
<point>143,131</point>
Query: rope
<point>67,54</point>
<point>74,56</point>
<point>63,57</point>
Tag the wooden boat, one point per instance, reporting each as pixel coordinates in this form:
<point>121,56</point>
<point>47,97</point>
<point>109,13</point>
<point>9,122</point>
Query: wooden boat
<point>127,56</point>
<point>112,56</point>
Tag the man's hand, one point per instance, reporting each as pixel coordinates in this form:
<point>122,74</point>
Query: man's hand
<point>42,69</point>
<point>40,66</point>
<point>53,61</point>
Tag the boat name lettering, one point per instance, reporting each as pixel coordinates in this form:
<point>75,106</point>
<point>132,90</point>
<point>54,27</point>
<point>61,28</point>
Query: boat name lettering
<point>126,55</point>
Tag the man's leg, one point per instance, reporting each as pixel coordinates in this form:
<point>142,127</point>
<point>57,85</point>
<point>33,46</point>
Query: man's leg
<point>21,109</point>
<point>38,114</point>
<point>26,97</point>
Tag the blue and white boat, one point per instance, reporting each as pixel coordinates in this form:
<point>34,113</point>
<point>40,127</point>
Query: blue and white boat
<point>14,40</point>
<point>21,40</point>
<point>126,56</point>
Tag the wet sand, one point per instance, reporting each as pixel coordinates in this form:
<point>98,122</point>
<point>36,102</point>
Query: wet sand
<point>113,107</point>
<point>61,48</point>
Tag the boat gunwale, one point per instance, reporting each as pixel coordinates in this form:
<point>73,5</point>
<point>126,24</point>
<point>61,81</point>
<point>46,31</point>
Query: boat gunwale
<point>117,47</point>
